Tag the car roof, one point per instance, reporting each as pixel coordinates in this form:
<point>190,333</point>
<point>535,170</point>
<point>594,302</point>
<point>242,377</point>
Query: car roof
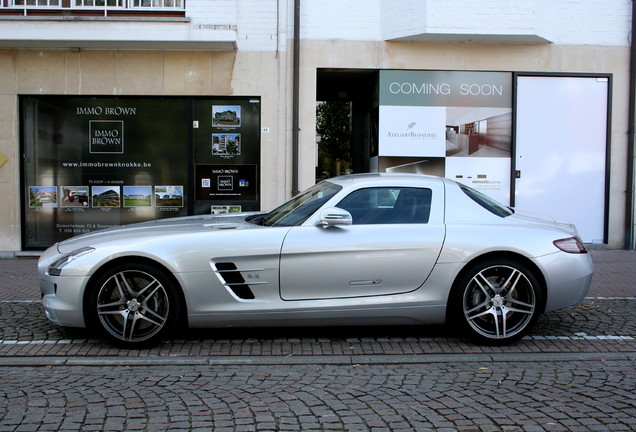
<point>378,177</point>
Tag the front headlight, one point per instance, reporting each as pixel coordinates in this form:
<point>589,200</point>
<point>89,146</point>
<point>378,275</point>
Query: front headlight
<point>56,267</point>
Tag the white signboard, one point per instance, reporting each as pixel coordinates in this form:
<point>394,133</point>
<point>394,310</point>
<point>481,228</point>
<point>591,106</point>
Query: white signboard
<point>412,131</point>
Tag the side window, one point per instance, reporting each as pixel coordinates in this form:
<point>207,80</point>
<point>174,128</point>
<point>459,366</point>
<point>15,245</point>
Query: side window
<point>388,205</point>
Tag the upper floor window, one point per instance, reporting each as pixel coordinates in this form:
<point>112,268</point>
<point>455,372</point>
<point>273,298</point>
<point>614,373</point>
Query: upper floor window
<point>92,7</point>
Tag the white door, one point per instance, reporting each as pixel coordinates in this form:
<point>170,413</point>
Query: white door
<point>561,149</point>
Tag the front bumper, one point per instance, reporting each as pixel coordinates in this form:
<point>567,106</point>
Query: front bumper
<point>62,298</point>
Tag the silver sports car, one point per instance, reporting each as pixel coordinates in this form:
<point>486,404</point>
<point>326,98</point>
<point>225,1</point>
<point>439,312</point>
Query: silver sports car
<point>362,249</point>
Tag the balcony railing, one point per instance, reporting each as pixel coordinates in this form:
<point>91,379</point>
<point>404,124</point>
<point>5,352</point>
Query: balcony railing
<point>91,7</point>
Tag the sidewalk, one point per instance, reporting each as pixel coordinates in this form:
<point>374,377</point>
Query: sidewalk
<point>615,276</point>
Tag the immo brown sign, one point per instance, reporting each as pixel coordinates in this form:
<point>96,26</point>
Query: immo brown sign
<point>97,162</point>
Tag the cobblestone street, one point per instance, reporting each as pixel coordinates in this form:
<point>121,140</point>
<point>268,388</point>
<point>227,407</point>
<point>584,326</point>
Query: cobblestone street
<point>575,372</point>
<point>465,396</point>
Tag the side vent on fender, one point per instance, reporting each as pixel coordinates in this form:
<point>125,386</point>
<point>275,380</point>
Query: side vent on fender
<point>232,278</point>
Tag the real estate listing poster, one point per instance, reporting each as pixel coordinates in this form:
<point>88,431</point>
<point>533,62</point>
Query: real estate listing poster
<point>98,162</point>
<point>227,153</point>
<point>93,163</point>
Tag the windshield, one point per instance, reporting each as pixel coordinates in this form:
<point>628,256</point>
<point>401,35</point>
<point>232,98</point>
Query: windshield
<point>298,209</point>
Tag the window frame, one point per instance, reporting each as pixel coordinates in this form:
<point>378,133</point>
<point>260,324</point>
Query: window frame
<point>390,212</point>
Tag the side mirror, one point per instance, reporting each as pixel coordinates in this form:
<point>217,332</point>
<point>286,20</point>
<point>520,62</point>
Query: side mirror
<point>335,216</point>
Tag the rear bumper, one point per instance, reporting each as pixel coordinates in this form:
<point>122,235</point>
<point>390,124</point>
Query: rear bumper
<point>568,279</point>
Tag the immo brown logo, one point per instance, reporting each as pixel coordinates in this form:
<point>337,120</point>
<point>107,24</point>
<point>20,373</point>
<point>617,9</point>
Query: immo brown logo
<point>106,136</point>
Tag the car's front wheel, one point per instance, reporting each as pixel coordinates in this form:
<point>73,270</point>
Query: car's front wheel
<point>497,301</point>
<point>134,305</point>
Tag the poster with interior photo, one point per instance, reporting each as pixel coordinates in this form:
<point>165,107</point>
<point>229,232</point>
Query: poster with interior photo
<point>479,149</point>
<point>462,119</point>
<point>75,196</point>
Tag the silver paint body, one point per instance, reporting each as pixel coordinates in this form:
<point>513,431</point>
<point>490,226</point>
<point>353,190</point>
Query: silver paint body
<point>316,275</point>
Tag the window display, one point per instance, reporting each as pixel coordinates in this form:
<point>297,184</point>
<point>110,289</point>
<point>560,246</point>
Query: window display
<point>93,163</point>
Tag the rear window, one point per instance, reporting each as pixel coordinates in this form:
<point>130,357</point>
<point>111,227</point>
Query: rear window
<point>486,202</point>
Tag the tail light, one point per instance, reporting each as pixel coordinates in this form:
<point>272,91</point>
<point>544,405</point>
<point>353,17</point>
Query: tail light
<point>572,245</point>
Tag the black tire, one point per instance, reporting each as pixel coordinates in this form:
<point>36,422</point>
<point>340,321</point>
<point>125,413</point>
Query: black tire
<point>496,302</point>
<point>133,305</point>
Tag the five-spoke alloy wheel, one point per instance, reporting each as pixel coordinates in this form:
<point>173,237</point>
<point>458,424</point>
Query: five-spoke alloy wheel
<point>499,301</point>
<point>134,305</point>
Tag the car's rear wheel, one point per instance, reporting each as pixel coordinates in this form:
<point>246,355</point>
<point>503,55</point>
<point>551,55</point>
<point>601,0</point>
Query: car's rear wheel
<point>497,301</point>
<point>134,305</point>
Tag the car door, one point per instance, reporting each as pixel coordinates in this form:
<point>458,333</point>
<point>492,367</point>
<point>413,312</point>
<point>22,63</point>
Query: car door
<point>391,247</point>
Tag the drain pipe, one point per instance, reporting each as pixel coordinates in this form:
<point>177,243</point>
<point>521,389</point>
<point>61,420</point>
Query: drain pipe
<point>296,99</point>
<point>629,196</point>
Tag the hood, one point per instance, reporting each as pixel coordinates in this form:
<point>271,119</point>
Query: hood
<point>163,227</point>
<point>537,218</point>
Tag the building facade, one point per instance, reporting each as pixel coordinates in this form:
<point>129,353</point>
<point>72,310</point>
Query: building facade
<point>88,81</point>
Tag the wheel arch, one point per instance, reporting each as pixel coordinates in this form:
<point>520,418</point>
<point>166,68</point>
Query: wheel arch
<point>108,266</point>
<point>521,259</point>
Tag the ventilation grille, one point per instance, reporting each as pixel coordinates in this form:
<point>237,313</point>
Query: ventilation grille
<point>232,278</point>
